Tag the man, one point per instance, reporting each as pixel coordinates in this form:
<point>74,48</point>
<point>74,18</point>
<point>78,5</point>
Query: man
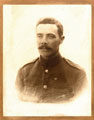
<point>50,78</point>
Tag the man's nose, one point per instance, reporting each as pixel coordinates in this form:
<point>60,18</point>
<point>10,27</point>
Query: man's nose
<point>44,40</point>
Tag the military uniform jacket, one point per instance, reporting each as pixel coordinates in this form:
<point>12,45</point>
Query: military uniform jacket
<point>49,81</point>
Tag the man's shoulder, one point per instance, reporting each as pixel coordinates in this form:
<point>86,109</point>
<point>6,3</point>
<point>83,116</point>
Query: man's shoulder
<point>76,75</point>
<point>29,65</point>
<point>74,69</point>
<point>72,64</point>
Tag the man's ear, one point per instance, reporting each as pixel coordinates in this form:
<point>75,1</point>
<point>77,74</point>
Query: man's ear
<point>62,38</point>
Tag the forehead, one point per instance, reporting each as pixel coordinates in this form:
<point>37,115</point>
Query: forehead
<point>46,28</point>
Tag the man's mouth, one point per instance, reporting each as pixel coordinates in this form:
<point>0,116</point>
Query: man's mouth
<point>44,49</point>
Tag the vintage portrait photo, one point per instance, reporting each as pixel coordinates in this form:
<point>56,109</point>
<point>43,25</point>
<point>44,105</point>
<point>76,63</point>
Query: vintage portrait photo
<point>47,60</point>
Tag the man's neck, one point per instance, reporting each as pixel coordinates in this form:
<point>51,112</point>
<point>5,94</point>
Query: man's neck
<point>50,57</point>
<point>51,61</point>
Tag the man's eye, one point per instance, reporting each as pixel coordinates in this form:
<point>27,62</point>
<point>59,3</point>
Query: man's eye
<point>39,36</point>
<point>51,36</point>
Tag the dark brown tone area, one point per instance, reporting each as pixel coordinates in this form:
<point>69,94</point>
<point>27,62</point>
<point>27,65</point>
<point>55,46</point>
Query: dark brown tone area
<point>2,2</point>
<point>55,80</point>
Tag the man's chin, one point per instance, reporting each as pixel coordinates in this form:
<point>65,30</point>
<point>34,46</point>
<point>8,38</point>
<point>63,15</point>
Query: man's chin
<point>47,56</point>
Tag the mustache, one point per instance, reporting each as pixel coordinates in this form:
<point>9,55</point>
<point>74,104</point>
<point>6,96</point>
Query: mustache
<point>44,47</point>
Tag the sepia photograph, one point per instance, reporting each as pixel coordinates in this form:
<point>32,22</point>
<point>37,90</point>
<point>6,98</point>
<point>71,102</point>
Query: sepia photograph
<point>47,60</point>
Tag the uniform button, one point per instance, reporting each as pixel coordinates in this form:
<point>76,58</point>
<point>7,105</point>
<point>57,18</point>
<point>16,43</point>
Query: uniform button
<point>46,70</point>
<point>55,78</point>
<point>45,86</point>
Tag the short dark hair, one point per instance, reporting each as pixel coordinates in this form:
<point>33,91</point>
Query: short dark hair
<point>52,21</point>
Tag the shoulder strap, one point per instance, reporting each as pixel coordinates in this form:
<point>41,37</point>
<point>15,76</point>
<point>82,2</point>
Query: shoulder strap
<point>72,64</point>
<point>33,61</point>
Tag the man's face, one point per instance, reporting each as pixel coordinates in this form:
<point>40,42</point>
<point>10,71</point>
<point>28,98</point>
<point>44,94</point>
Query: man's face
<point>48,39</point>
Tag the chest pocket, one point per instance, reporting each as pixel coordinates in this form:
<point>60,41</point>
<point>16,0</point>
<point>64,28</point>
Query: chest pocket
<point>57,81</point>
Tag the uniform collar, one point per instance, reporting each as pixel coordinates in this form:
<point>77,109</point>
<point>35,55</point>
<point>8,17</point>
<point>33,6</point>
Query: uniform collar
<point>52,61</point>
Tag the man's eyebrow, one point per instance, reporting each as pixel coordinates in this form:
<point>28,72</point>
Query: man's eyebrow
<point>47,34</point>
<point>50,34</point>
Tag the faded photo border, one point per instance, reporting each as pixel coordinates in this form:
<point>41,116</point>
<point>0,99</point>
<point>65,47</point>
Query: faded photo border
<point>31,2</point>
